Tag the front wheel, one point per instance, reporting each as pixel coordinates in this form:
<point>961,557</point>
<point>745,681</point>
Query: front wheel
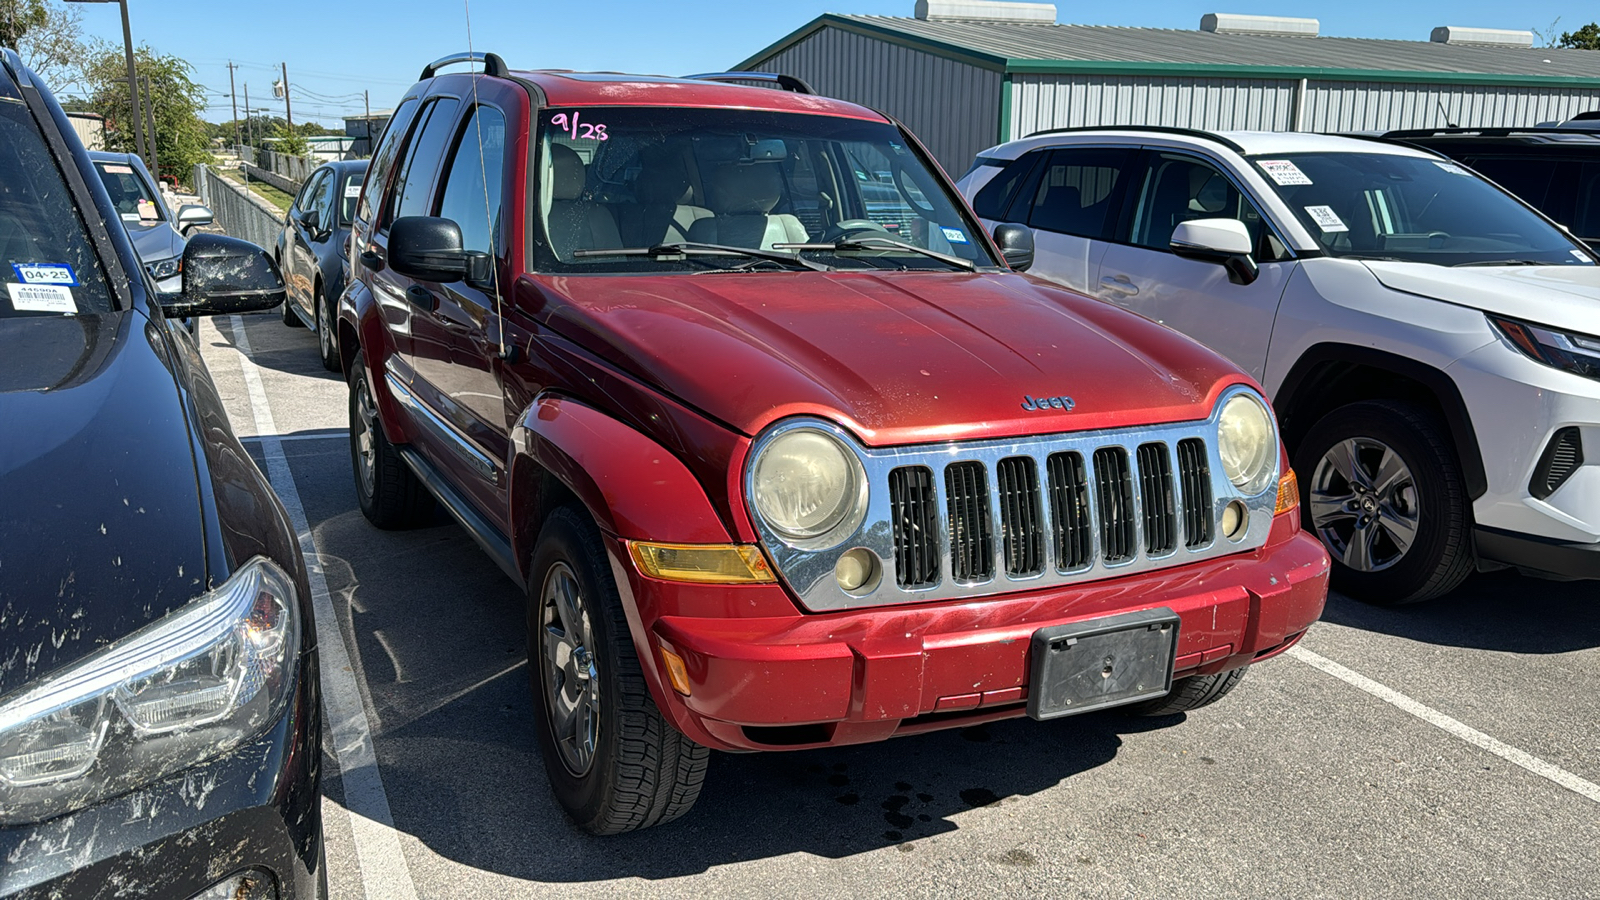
<point>1189,694</point>
<point>614,761</point>
<point>1381,488</point>
<point>327,340</point>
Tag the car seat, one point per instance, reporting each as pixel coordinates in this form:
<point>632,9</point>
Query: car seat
<point>742,196</point>
<point>663,213</point>
<point>576,222</point>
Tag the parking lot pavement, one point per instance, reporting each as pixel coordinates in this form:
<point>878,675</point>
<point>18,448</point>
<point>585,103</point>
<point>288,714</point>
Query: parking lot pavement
<point>1462,761</point>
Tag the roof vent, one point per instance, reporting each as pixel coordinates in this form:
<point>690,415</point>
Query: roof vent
<point>1481,37</point>
<point>987,11</point>
<point>1277,26</point>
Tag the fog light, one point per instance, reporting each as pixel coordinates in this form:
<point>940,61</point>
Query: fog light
<point>857,571</point>
<point>1235,521</point>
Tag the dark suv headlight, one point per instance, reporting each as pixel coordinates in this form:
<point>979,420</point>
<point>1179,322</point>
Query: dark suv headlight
<point>189,687</point>
<point>1576,353</point>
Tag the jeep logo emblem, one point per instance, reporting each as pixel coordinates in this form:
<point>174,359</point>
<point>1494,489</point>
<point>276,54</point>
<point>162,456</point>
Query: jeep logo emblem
<point>1032,404</point>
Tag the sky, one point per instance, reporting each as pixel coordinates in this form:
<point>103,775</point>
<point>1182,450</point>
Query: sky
<point>335,50</point>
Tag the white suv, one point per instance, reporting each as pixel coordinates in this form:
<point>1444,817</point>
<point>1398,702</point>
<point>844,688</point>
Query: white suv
<point>1432,344</point>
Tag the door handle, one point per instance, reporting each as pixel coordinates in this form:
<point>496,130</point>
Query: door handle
<point>1119,284</point>
<point>422,297</point>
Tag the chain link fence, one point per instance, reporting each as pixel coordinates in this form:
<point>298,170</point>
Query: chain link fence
<point>240,213</point>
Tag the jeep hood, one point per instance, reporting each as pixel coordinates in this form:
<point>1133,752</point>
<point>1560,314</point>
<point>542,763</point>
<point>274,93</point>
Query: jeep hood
<point>897,357</point>
<point>100,522</point>
<point>1562,296</point>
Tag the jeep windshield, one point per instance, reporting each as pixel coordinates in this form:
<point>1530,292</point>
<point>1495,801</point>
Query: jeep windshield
<point>46,260</point>
<point>638,179</point>
<point>1412,209</point>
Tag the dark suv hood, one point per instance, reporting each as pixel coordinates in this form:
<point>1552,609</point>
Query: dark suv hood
<point>899,357</point>
<point>100,522</point>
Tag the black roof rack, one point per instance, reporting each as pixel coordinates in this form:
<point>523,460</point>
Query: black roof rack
<point>1157,129</point>
<point>493,65</point>
<point>787,82</point>
<point>1486,132</point>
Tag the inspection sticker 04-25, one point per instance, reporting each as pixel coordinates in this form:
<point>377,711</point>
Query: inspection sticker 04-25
<point>45,273</point>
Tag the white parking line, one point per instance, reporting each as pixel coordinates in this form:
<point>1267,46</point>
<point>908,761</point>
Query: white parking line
<point>384,873</point>
<point>1467,733</point>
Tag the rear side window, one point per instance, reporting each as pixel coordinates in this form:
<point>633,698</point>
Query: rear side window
<point>472,190</point>
<point>383,160</point>
<point>46,261</point>
<point>993,198</point>
<point>1078,191</point>
<point>422,161</point>
<point>1527,178</point>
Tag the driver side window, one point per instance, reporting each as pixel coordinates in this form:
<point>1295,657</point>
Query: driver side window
<point>1179,188</point>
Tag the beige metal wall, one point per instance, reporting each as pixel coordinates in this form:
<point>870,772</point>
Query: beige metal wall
<point>91,131</point>
<point>1367,106</point>
<point>952,107</point>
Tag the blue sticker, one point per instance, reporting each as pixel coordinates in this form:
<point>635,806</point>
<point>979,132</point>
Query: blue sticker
<point>45,273</point>
<point>955,235</point>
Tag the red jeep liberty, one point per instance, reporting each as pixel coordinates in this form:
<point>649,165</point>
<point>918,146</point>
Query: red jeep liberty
<point>783,450</point>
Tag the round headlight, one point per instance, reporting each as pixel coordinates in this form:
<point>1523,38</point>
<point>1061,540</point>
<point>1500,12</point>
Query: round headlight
<point>1245,443</point>
<point>806,485</point>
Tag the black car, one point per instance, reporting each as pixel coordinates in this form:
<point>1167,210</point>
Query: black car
<point>1556,170</point>
<point>160,724</point>
<point>312,250</point>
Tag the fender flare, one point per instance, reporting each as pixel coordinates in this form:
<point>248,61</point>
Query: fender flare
<point>1456,415</point>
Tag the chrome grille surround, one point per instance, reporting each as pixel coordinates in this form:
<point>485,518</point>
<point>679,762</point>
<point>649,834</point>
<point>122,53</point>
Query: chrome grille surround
<point>809,573</point>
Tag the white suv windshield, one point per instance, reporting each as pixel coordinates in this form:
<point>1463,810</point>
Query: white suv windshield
<point>1412,209</point>
<point>626,178</point>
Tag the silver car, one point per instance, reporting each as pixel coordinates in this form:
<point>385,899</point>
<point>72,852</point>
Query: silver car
<point>158,236</point>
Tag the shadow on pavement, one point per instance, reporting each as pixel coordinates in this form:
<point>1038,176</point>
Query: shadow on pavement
<point>1501,611</point>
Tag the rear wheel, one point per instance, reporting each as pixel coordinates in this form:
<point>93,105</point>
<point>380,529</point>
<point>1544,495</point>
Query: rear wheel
<point>391,497</point>
<point>1382,490</point>
<point>1191,693</point>
<point>615,763</point>
<point>327,340</point>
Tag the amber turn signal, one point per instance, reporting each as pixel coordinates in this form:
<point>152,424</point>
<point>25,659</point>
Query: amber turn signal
<point>1288,493</point>
<point>676,673</point>
<point>702,563</point>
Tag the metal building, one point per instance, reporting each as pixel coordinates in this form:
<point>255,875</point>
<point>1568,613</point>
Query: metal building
<point>964,76</point>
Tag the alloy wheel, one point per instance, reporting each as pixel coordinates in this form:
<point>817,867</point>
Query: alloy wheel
<point>571,678</point>
<point>366,425</point>
<point>324,330</point>
<point>1364,504</point>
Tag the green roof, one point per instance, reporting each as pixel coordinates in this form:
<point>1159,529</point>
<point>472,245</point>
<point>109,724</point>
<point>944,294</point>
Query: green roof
<point>1024,48</point>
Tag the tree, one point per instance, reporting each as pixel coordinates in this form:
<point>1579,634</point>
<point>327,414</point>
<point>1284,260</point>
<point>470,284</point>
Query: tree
<point>48,37</point>
<point>1585,38</point>
<point>181,136</point>
<point>18,17</point>
<point>291,142</point>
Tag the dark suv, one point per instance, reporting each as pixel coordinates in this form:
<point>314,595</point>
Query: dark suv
<point>776,475</point>
<point>1555,170</point>
<point>160,724</point>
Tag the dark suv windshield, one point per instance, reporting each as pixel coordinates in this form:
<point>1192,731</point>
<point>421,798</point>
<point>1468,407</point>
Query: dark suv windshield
<point>624,177</point>
<point>1412,209</point>
<point>45,256</point>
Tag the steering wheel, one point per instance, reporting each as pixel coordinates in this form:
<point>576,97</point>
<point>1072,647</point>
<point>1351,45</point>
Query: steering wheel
<point>852,227</point>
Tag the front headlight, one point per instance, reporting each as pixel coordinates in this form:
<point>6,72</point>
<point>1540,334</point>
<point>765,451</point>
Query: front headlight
<point>161,270</point>
<point>808,487</point>
<point>189,687</point>
<point>1245,443</point>
<point>1576,353</point>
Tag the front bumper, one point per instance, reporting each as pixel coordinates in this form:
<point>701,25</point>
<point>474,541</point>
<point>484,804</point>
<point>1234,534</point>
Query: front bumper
<point>793,681</point>
<point>256,809</point>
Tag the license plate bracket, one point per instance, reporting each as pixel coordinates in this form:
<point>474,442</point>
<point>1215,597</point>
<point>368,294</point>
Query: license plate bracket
<point>1084,666</point>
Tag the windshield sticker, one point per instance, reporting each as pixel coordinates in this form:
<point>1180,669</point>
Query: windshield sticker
<point>352,191</point>
<point>147,210</point>
<point>1581,256</point>
<point>117,170</point>
<point>1452,168</point>
<point>55,298</point>
<point>130,217</point>
<point>45,273</point>
<point>1282,171</point>
<point>1326,219</point>
<point>955,235</point>
<point>580,131</point>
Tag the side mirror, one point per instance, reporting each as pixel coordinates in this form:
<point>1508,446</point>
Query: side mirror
<point>224,275</point>
<point>191,215</point>
<point>1016,245</point>
<point>427,248</point>
<point>1223,241</point>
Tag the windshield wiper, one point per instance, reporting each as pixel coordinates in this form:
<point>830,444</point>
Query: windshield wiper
<point>870,242</point>
<point>1506,262</point>
<point>694,248</point>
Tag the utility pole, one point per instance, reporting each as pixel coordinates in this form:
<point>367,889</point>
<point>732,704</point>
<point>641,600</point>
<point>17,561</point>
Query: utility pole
<point>249,129</point>
<point>233,97</point>
<point>150,113</point>
<point>366,100</point>
<point>288,111</point>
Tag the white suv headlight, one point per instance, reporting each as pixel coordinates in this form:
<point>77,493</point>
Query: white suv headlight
<point>1246,444</point>
<point>808,487</point>
<point>163,269</point>
<point>189,687</point>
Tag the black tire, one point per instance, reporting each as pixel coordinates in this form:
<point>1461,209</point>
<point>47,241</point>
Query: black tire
<point>327,335</point>
<point>1189,694</point>
<point>290,318</point>
<point>641,771</point>
<point>392,498</point>
<point>1439,555</point>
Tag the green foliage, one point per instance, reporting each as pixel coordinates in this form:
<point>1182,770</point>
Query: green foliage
<point>18,17</point>
<point>182,138</point>
<point>1585,38</point>
<point>48,37</point>
<point>291,142</point>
